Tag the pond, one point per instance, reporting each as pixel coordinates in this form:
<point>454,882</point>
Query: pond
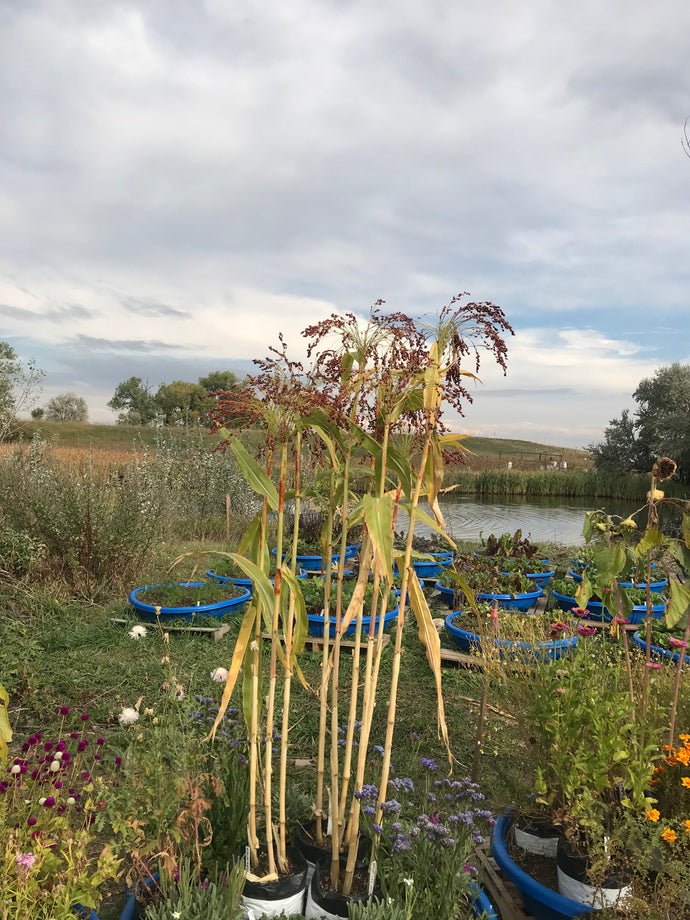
<point>543,520</point>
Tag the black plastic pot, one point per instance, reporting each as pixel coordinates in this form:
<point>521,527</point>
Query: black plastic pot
<point>324,903</point>
<point>283,896</point>
<point>538,837</point>
<point>574,881</point>
<point>305,843</point>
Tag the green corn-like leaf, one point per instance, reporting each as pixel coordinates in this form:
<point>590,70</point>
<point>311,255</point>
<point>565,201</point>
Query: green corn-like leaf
<point>430,640</point>
<point>299,634</point>
<point>378,513</point>
<point>255,477</point>
<point>241,646</point>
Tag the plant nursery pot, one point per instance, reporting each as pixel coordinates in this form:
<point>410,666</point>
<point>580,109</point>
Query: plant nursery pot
<point>509,650</point>
<point>598,612</point>
<point>285,896</point>
<point>573,881</point>
<point>322,903</point>
<point>129,911</point>
<point>316,624</point>
<point>305,842</point>
<point>653,585</point>
<point>541,902</point>
<point>148,611</point>
<point>521,601</point>
<point>315,563</point>
<point>641,641</point>
<point>537,837</point>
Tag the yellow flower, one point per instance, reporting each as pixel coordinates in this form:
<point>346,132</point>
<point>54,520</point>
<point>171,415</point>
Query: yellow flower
<point>652,814</point>
<point>683,756</point>
<point>669,835</point>
<point>687,827</point>
<point>685,781</point>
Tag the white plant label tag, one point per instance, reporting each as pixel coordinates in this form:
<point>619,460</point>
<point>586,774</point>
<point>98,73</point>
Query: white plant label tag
<point>329,827</point>
<point>372,877</point>
<point>247,859</point>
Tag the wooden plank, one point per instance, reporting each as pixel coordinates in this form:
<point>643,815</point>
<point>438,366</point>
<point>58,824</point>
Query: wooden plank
<point>316,642</point>
<point>214,632</point>
<point>504,896</point>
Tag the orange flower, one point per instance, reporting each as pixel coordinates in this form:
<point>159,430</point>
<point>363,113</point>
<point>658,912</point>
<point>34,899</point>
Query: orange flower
<point>684,737</point>
<point>685,781</point>
<point>652,814</point>
<point>668,835</point>
<point>683,756</point>
<point>687,827</point>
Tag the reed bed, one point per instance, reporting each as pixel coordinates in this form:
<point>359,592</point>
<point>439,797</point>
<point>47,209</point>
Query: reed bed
<point>557,483</point>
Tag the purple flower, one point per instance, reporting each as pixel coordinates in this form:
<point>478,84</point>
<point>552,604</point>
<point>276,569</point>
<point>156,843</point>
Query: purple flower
<point>49,802</point>
<point>31,822</point>
<point>428,763</point>
<point>390,808</point>
<point>100,740</point>
<point>82,746</point>
<point>586,630</point>
<point>369,810</point>
<point>677,643</point>
<point>85,717</point>
<point>64,711</point>
<point>377,828</point>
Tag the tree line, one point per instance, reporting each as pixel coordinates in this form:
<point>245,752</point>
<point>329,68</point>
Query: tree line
<point>659,427</point>
<point>177,403</point>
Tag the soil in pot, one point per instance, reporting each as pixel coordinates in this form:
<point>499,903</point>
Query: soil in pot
<point>284,896</point>
<point>322,901</point>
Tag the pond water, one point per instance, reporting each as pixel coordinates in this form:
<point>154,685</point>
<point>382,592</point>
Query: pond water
<point>543,520</point>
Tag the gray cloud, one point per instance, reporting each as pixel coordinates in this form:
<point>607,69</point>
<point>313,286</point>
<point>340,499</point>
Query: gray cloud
<point>138,346</point>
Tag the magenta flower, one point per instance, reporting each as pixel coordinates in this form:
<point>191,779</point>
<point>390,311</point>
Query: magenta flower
<point>654,665</point>
<point>64,711</point>
<point>677,643</point>
<point>586,630</point>
<point>559,627</point>
<point>620,620</point>
<point>49,802</point>
<point>85,717</point>
<point>580,611</point>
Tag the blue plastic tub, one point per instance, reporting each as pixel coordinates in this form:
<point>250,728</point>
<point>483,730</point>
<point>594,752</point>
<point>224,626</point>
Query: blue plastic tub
<point>598,612</point>
<point>315,563</point>
<point>657,650</point>
<point>511,651</point>
<point>653,585</point>
<point>148,611</point>
<point>541,902</point>
<point>316,624</point>
<point>514,601</point>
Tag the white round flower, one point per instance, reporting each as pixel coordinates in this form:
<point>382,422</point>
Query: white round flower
<point>71,800</point>
<point>220,675</point>
<point>42,800</point>
<point>128,716</point>
<point>137,632</point>
<point>57,755</point>
<point>16,768</point>
<point>55,766</point>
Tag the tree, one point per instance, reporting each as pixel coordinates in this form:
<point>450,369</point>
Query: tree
<point>134,397</point>
<point>182,403</point>
<point>220,380</point>
<point>660,427</point>
<point>19,388</point>
<point>620,450</point>
<point>38,413</point>
<point>67,407</point>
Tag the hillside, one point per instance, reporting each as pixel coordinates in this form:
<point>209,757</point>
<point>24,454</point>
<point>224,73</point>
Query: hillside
<point>73,439</point>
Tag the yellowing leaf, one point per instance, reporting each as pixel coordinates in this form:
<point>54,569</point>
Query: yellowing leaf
<point>432,643</point>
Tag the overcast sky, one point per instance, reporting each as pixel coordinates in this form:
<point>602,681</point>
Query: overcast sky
<point>181,181</point>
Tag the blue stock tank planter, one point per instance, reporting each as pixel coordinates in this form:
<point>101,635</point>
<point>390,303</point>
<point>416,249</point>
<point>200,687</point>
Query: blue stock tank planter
<point>316,563</point>
<point>317,625</point>
<point>240,582</point>
<point>598,612</point>
<point>522,601</point>
<point>541,902</point>
<point>510,650</point>
<point>653,585</point>
<point>148,611</point>
<point>656,650</point>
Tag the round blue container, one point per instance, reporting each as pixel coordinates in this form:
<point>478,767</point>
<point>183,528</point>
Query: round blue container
<point>316,624</point>
<point>511,651</point>
<point>657,650</point>
<point>539,901</point>
<point>653,585</point>
<point>513,601</point>
<point>598,612</point>
<point>315,563</point>
<point>148,611</point>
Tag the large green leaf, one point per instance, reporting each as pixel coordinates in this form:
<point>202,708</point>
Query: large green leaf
<point>679,600</point>
<point>400,465</point>
<point>241,646</point>
<point>378,513</point>
<point>650,538</point>
<point>263,589</point>
<point>610,562</point>
<point>256,477</point>
<point>299,634</point>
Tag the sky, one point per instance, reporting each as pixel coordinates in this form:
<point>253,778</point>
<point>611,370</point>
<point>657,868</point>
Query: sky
<point>181,181</point>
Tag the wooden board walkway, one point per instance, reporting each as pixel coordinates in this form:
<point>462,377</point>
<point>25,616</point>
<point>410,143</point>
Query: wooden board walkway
<point>503,894</point>
<point>316,642</point>
<point>213,632</point>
